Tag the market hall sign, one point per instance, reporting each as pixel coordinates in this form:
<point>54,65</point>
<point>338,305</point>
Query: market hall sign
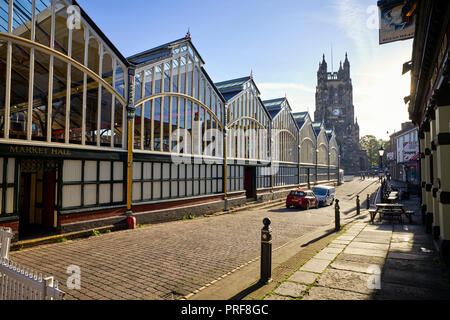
<point>39,151</point>
<point>60,153</point>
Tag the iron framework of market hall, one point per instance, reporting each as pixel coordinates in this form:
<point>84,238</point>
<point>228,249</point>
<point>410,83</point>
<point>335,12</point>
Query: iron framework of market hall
<point>88,137</point>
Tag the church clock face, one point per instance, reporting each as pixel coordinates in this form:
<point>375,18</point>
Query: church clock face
<point>336,112</point>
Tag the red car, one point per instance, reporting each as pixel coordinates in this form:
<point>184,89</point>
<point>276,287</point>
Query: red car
<point>302,199</point>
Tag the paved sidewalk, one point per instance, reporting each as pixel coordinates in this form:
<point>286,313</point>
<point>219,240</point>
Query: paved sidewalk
<point>380,261</point>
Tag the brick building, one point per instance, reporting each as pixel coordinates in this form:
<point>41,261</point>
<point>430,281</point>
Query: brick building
<point>404,154</point>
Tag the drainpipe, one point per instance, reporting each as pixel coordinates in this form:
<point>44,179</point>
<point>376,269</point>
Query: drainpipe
<point>225,158</point>
<point>131,220</point>
<point>317,167</point>
<point>271,166</point>
<point>225,171</point>
<point>299,168</point>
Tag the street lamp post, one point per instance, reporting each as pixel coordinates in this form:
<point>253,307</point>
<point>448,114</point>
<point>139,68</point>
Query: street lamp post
<point>381,153</point>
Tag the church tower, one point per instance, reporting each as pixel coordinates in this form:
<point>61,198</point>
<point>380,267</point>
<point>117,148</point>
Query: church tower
<point>334,107</point>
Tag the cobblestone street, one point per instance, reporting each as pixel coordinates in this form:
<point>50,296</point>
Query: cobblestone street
<point>171,260</point>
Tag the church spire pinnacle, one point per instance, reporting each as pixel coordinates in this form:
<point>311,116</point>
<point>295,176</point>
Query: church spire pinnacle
<point>323,65</point>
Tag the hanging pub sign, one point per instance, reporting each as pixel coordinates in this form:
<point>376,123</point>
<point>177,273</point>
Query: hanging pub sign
<point>410,151</point>
<point>397,21</point>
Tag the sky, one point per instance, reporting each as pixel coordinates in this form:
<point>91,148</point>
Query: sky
<point>281,42</point>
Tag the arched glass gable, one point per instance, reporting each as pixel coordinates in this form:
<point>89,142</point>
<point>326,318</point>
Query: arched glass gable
<point>60,81</point>
<point>248,126</point>
<point>334,152</point>
<point>323,170</point>
<point>308,142</point>
<point>285,141</point>
<point>172,96</point>
<point>322,148</point>
<point>285,137</point>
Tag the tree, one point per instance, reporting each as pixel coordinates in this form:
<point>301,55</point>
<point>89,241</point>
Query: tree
<point>372,145</point>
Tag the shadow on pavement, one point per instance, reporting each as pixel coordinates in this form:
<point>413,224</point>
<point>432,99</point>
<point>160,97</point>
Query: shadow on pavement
<point>349,211</point>
<point>329,232</point>
<point>412,269</point>
<point>287,210</point>
<point>241,295</point>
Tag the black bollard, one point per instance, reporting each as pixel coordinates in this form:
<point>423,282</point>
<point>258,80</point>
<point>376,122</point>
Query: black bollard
<point>368,201</point>
<point>337,216</point>
<point>358,206</point>
<point>424,214</point>
<point>266,252</point>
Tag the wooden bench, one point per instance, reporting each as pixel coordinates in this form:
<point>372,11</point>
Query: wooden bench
<point>393,214</point>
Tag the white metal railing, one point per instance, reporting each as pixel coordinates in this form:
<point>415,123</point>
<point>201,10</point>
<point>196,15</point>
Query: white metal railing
<point>20,283</point>
<point>6,235</point>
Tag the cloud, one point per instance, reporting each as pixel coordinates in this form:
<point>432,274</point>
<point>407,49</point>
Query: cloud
<point>278,86</point>
<point>300,97</point>
<point>353,19</point>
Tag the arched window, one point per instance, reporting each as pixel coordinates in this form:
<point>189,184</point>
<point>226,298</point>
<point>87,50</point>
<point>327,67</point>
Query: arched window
<point>78,44</point>
<point>107,68</point>
<point>61,31</point>
<point>323,155</point>
<point>120,80</point>
<point>94,54</point>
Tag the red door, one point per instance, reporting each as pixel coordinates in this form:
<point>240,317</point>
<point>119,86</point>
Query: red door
<point>49,199</point>
<point>248,182</point>
<point>25,187</point>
